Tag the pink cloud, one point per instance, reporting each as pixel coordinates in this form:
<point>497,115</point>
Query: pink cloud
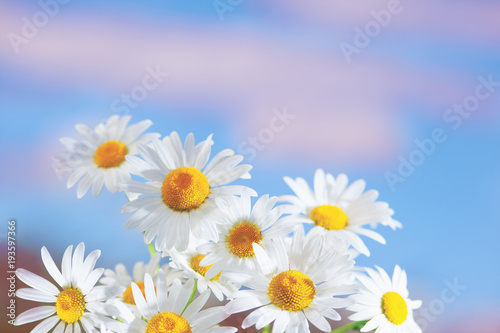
<point>483,320</point>
<point>349,112</point>
<point>472,21</point>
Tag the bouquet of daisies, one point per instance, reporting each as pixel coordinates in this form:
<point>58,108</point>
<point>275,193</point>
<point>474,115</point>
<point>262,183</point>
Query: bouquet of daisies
<point>252,253</point>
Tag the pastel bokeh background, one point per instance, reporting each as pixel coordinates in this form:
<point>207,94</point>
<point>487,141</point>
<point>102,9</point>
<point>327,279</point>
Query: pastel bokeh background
<point>270,80</point>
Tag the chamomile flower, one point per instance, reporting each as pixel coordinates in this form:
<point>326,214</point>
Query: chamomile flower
<point>121,277</point>
<point>385,303</point>
<point>189,262</point>
<point>338,210</point>
<point>295,288</point>
<point>100,157</point>
<point>169,312</point>
<point>76,304</point>
<point>183,185</point>
<point>242,226</point>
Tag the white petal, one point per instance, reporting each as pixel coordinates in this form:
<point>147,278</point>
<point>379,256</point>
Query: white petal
<point>103,293</point>
<point>75,177</point>
<point>268,315</point>
<point>84,186</point>
<point>46,325</point>
<point>91,280</point>
<point>210,317</point>
<point>281,322</point>
<point>98,184</point>
<point>356,242</point>
<point>204,153</point>
<point>149,290</point>
<point>233,190</point>
<point>373,323</point>
<point>88,266</point>
<point>69,329</point>
<point>66,264</point>
<point>370,233</point>
<point>138,187</point>
<point>88,325</point>
<point>35,314</point>
<point>265,263</point>
<point>163,154</point>
<point>161,291</point>
<point>193,308</point>
<point>140,302</point>
<point>60,328</point>
<point>134,131</point>
<point>77,261</point>
<point>243,304</point>
<point>35,295</point>
<point>317,320</point>
<point>179,303</point>
<point>52,268</point>
<point>36,282</point>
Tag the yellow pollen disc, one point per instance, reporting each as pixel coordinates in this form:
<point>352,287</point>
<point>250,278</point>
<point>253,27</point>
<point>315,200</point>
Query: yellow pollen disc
<point>110,154</point>
<point>70,305</point>
<point>329,217</point>
<point>202,270</point>
<point>240,239</point>
<point>394,308</point>
<point>291,291</point>
<point>168,322</point>
<point>128,296</point>
<point>185,189</point>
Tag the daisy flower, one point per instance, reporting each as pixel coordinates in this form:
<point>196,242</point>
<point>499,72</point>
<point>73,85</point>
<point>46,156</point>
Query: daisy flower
<point>183,185</point>
<point>385,303</point>
<point>121,277</point>
<point>77,303</point>
<point>100,157</point>
<point>295,288</point>
<point>189,262</point>
<point>338,210</point>
<point>242,226</point>
<point>169,312</point>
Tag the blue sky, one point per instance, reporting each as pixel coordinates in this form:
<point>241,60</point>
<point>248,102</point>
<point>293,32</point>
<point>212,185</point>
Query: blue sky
<point>448,206</point>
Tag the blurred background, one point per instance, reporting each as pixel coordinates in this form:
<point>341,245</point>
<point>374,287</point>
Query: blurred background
<point>405,95</point>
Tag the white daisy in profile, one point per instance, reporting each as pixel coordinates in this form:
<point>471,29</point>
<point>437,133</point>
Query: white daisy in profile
<point>100,157</point>
<point>169,312</point>
<point>385,303</point>
<point>121,277</point>
<point>189,262</point>
<point>339,210</point>
<point>241,228</point>
<point>77,304</point>
<point>294,289</point>
<point>183,185</point>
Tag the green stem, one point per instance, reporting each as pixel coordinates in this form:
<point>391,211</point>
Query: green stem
<point>191,299</point>
<point>356,326</point>
<point>152,250</point>
<point>266,329</point>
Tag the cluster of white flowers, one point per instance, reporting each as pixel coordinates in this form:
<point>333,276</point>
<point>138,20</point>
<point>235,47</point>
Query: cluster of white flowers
<point>255,258</point>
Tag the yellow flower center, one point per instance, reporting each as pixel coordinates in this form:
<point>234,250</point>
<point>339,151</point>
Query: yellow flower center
<point>168,322</point>
<point>110,154</point>
<point>291,290</point>
<point>329,217</point>
<point>394,308</point>
<point>128,296</point>
<point>185,189</point>
<point>70,305</point>
<point>241,237</point>
<point>202,270</point>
